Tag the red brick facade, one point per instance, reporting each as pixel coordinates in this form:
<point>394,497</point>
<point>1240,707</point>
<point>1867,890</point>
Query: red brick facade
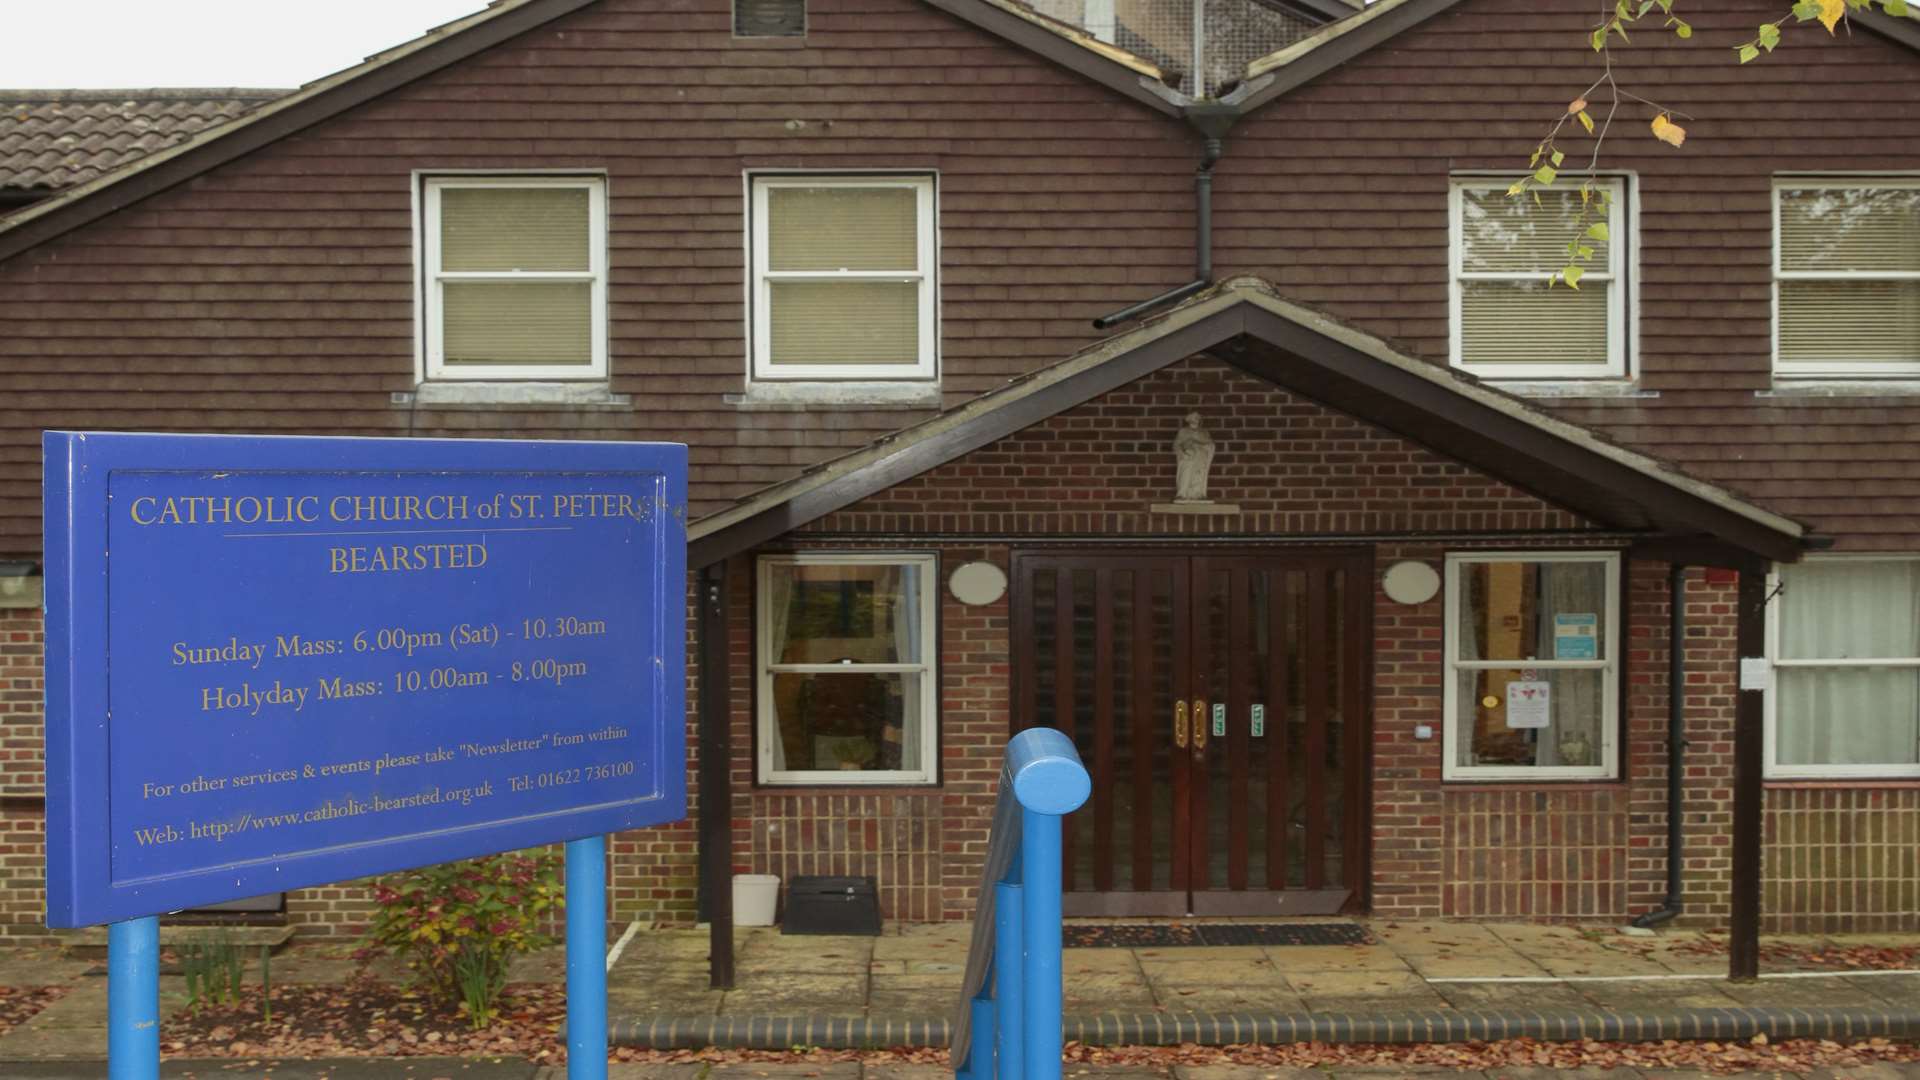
<point>276,294</point>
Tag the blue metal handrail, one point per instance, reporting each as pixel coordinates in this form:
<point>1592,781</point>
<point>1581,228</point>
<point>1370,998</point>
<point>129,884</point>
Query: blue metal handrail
<point>1010,1007</point>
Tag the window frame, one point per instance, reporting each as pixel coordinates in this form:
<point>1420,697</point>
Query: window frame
<point>1619,274</point>
<point>431,279</point>
<point>1872,369</point>
<point>764,721</point>
<point>760,280</point>
<point>1607,760</point>
<point>1774,770</point>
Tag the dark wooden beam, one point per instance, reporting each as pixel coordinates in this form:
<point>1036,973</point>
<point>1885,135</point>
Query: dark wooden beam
<point>1749,739</point>
<point>716,772</point>
<point>1691,550</point>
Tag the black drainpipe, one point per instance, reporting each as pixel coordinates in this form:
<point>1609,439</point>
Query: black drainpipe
<point>1212,122</point>
<point>1676,741</point>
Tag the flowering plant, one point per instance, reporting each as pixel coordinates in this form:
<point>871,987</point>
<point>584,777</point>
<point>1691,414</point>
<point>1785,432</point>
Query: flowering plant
<point>458,925</point>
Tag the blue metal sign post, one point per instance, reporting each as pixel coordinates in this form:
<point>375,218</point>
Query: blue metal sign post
<point>309,660</point>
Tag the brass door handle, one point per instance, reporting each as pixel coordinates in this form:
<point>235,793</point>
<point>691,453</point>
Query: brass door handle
<point>1180,724</point>
<point>1199,723</point>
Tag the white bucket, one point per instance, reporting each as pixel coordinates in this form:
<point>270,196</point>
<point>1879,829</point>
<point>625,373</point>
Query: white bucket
<point>754,898</point>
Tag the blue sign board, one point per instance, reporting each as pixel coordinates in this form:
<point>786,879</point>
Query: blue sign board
<point>281,662</point>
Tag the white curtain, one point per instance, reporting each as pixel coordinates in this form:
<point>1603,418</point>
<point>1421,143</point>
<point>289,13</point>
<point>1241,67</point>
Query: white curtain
<point>1849,609</point>
<point>779,606</point>
<point>907,644</point>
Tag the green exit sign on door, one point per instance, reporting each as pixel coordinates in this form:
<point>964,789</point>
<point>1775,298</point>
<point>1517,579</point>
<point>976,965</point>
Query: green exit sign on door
<point>1259,721</point>
<point>1219,720</point>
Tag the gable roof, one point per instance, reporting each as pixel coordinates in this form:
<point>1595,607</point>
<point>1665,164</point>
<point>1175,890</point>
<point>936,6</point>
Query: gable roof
<point>317,101</point>
<point>1244,322</point>
<point>53,139</point>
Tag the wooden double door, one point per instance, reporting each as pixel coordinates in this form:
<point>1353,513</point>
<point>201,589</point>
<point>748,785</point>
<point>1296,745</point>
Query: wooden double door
<point>1220,702</point>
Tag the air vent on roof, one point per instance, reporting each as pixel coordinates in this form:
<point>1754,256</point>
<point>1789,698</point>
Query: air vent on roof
<point>769,18</point>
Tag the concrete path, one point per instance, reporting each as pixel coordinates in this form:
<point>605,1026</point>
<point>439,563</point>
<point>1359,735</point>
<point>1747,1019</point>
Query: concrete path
<point>915,971</point>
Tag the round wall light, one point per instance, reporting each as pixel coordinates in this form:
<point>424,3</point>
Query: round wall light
<point>1410,582</point>
<point>977,583</point>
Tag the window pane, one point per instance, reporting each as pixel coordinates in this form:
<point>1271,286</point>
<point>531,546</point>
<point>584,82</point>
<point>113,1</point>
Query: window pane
<point>836,613</point>
<point>503,228</point>
<point>1842,322</point>
<point>845,322</point>
<point>1871,229</point>
<point>518,322</point>
<point>1502,233</point>
<point>842,228</point>
<point>1559,712</point>
<point>1534,322</point>
<point>1533,611</point>
<point>847,723</point>
<point>1842,609</point>
<point>1848,716</point>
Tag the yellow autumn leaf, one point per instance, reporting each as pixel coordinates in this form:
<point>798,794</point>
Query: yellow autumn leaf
<point>1669,132</point>
<point>1830,13</point>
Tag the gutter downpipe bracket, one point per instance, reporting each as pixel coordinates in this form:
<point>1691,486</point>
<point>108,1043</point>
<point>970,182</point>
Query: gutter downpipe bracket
<point>1213,122</point>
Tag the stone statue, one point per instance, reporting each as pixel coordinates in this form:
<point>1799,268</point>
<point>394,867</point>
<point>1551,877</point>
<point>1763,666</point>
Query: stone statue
<point>1193,458</point>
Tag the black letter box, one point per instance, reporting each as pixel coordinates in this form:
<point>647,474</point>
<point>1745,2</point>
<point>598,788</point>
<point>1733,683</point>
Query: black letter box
<point>818,904</point>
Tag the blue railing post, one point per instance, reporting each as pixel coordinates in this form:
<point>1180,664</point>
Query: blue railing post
<point>1040,868</point>
<point>133,999</point>
<point>587,959</point>
<point>1009,973</point>
<point>1010,1024</point>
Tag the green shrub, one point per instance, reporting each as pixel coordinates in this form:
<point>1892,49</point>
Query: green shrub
<point>458,925</point>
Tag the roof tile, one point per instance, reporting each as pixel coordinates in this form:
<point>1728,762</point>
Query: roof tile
<point>52,139</point>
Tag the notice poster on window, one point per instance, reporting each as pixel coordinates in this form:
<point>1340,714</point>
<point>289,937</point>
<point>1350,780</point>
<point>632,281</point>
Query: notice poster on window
<point>1576,636</point>
<point>1527,703</point>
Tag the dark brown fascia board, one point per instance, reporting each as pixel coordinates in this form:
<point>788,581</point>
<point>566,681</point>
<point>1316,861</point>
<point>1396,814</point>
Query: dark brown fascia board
<point>1696,551</point>
<point>1672,509</point>
<point>1269,85</point>
<point>1075,58</point>
<point>252,134</point>
<point>914,458</point>
<point>1906,31</point>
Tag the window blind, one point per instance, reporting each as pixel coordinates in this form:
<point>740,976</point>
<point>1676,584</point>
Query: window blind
<point>845,322</point>
<point>843,228</point>
<point>1530,322</point>
<point>1502,234</point>
<point>517,322</point>
<point>508,228</point>
<point>1858,230</point>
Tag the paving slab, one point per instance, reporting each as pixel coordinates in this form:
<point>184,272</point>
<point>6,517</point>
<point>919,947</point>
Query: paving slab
<point>1541,1072</point>
<point>914,995</point>
<point>1878,1070</point>
<point>1366,992</point>
<point>1242,998</point>
<point>1291,958</point>
<point>1902,991</point>
<point>634,1070</point>
<point>906,1072</point>
<point>757,1070</point>
<point>1643,996</point>
<point>799,993</point>
<point>1102,993</point>
<point>675,996</point>
<point>1510,995</point>
<point>1113,1072</point>
<point>1414,936</point>
<point>1099,962</point>
<point>1834,993</point>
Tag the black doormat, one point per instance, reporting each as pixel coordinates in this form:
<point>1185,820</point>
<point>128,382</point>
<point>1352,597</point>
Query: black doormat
<point>1176,935</point>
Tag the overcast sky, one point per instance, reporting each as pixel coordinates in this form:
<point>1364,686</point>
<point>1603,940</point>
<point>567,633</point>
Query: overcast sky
<point>97,44</point>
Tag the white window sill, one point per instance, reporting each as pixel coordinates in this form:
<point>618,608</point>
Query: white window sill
<point>805,395</point>
<point>1571,388</point>
<point>587,394</point>
<point>1823,388</point>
